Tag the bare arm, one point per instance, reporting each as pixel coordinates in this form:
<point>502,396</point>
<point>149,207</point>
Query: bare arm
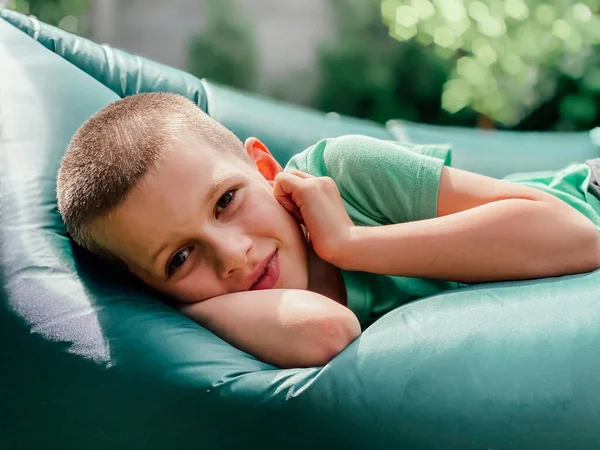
<point>486,230</point>
<point>283,327</point>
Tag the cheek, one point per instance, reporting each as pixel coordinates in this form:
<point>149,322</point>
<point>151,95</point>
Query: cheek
<point>275,222</point>
<point>197,286</point>
<point>264,216</point>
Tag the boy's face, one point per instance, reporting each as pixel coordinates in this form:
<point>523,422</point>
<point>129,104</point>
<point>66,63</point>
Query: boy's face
<point>205,224</point>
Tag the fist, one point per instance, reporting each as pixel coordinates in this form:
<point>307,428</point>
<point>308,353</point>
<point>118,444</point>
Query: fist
<point>316,203</point>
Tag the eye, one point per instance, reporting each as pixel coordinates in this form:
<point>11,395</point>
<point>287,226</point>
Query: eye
<point>178,260</point>
<point>225,200</point>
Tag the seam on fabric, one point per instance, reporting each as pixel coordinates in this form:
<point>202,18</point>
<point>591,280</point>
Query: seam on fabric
<point>109,53</point>
<point>111,64</point>
<point>35,23</point>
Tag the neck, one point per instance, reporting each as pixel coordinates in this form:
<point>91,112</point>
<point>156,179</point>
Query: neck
<point>324,278</point>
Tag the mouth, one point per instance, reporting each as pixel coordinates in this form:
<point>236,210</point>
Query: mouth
<point>268,275</point>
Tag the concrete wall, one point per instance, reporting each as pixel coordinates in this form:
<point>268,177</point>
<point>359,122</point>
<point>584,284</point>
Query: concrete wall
<point>287,32</point>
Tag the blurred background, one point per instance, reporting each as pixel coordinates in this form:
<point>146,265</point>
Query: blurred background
<point>505,64</point>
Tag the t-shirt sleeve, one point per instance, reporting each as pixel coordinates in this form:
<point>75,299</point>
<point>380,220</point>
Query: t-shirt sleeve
<point>380,181</point>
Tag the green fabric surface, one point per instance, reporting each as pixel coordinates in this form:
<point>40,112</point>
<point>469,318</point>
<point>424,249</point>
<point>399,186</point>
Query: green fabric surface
<point>497,153</point>
<point>91,359</point>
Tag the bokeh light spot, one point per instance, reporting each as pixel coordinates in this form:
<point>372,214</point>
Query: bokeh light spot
<point>545,14</point>
<point>406,16</point>
<point>561,28</point>
<point>582,12</point>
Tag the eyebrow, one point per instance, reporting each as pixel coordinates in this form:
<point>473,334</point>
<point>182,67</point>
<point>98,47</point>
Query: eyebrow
<point>212,192</point>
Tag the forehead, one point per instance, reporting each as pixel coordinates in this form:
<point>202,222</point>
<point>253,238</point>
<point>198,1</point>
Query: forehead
<point>189,153</point>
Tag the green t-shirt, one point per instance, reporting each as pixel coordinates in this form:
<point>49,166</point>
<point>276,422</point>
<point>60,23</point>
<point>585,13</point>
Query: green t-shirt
<point>385,182</point>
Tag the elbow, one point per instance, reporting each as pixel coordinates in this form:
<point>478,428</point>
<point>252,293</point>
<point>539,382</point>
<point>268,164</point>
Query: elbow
<point>589,245</point>
<point>585,255</point>
<point>593,246</point>
<point>334,334</point>
<point>577,252</point>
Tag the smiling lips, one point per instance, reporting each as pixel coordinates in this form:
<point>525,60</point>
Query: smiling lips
<point>268,275</point>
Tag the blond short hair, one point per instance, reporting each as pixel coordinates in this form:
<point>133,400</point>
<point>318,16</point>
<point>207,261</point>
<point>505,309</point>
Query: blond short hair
<point>116,147</point>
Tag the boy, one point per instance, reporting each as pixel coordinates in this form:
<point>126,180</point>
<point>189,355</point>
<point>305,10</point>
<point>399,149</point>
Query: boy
<point>288,266</point>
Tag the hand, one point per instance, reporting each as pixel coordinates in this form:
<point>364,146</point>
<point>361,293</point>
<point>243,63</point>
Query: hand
<point>316,203</point>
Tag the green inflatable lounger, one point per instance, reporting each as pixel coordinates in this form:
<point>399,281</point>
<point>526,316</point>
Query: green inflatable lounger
<point>91,359</point>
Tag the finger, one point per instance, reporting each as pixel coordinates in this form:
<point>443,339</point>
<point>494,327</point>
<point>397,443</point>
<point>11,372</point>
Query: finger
<point>285,184</point>
<point>300,174</point>
<point>291,208</point>
<point>287,204</point>
<point>282,191</point>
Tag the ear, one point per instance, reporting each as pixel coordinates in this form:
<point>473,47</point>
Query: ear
<point>262,158</point>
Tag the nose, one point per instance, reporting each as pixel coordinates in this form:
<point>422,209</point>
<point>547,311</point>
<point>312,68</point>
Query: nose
<point>231,252</point>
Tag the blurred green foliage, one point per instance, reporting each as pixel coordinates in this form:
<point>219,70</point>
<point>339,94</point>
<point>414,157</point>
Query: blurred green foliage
<point>66,14</point>
<point>366,73</point>
<point>224,51</point>
<point>522,63</point>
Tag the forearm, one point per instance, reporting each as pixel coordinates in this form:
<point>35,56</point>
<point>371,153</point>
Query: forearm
<point>286,328</point>
<point>506,239</point>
